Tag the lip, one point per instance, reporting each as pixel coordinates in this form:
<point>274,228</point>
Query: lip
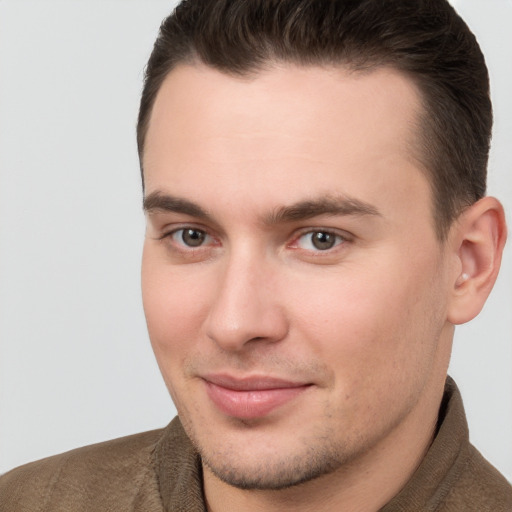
<point>251,397</point>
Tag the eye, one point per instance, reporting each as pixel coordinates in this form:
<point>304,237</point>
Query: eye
<point>319,240</point>
<point>190,237</point>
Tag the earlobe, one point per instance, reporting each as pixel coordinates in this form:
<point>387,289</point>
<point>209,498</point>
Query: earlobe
<point>478,239</point>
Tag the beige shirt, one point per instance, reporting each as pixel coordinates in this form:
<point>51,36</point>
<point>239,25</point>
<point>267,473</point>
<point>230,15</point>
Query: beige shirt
<point>160,471</point>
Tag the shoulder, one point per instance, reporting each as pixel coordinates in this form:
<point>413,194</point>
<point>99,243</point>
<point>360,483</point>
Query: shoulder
<point>111,473</point>
<point>480,486</point>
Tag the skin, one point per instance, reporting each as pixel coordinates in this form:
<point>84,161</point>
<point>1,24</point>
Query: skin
<point>365,325</point>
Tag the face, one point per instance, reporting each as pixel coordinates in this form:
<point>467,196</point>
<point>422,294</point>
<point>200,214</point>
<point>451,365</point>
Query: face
<point>293,284</point>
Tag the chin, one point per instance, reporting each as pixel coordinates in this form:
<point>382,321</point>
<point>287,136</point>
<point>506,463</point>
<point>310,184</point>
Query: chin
<point>272,471</point>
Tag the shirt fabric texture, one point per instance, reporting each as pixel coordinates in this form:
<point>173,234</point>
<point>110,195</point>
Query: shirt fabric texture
<point>160,471</point>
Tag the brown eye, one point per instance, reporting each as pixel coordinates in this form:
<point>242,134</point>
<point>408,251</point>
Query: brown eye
<point>190,237</point>
<point>323,241</point>
<point>319,240</point>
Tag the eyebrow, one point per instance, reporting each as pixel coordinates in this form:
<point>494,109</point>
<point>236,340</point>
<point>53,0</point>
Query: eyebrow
<point>332,206</point>
<point>302,210</point>
<point>159,202</point>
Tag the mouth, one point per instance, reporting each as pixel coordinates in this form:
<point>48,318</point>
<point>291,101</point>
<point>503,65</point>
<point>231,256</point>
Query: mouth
<point>252,397</point>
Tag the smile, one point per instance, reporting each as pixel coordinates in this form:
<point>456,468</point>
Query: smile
<point>251,398</point>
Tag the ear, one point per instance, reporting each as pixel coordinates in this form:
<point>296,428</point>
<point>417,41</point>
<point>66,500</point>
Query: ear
<point>477,238</point>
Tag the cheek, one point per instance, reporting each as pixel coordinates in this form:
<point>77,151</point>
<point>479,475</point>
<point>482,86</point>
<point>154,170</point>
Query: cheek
<point>372,320</point>
<point>378,334</point>
<point>174,307</point>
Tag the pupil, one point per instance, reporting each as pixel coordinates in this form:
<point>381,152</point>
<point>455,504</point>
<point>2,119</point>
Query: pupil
<point>323,240</point>
<point>193,237</point>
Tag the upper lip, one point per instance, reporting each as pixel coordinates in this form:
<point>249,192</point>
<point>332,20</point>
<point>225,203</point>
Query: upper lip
<point>251,383</point>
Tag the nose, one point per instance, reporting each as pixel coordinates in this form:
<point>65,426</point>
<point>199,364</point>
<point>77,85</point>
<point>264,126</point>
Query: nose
<point>246,308</point>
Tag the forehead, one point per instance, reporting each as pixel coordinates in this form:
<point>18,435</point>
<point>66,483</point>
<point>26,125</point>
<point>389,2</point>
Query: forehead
<point>282,131</point>
<point>327,95</point>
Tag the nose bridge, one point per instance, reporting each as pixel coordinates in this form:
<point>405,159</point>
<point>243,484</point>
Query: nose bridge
<point>246,306</point>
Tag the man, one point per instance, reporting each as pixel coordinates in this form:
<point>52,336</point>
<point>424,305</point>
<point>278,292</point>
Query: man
<point>314,186</point>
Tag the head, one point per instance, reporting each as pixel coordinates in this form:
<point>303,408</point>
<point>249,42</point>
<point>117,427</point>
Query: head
<point>314,174</point>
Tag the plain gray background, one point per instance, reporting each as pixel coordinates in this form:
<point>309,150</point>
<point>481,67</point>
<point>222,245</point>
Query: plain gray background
<point>75,361</point>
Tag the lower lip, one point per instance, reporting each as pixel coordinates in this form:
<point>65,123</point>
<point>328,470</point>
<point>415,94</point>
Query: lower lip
<point>251,404</point>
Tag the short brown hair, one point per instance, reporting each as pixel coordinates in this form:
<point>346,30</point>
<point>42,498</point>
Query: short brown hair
<point>424,39</point>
